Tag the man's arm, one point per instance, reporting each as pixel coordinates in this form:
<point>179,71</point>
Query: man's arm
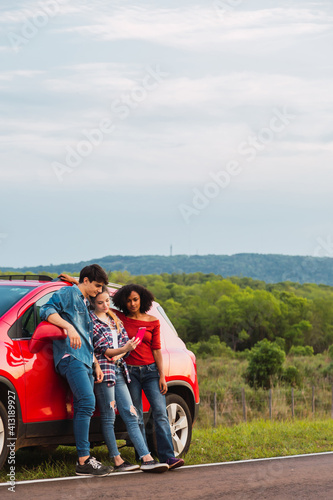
<point>159,363</point>
<point>74,337</point>
<point>51,312</point>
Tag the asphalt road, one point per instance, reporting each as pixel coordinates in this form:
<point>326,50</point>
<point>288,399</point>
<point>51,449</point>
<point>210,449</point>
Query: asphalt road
<point>307,477</point>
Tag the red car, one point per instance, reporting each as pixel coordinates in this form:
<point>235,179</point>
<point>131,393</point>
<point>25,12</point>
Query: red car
<point>36,403</point>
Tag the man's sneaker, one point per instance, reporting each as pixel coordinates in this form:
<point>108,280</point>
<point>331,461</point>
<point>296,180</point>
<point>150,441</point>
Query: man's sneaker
<point>92,467</point>
<point>153,466</point>
<point>174,463</point>
<point>126,467</point>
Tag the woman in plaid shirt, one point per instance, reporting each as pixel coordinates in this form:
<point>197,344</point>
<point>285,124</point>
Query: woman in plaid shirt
<point>111,343</point>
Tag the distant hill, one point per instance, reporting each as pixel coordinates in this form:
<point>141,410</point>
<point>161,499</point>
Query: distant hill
<point>269,268</point>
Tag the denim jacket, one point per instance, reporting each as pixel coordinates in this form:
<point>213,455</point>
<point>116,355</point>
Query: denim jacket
<point>69,303</point>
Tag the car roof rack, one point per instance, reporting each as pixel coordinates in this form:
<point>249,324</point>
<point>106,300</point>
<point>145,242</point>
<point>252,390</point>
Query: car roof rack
<point>39,277</point>
<point>25,277</point>
<point>115,285</point>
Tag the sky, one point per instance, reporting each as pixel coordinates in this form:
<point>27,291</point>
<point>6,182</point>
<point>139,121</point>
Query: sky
<point>128,128</point>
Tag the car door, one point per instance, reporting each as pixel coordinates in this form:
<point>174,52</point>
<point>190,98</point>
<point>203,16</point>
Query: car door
<point>48,397</point>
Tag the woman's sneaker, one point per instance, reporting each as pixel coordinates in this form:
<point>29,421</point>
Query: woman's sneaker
<point>126,467</point>
<point>92,467</point>
<point>153,466</point>
<point>174,463</point>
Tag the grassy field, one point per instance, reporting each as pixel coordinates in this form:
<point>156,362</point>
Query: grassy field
<point>225,377</point>
<point>232,439</point>
<point>258,439</point>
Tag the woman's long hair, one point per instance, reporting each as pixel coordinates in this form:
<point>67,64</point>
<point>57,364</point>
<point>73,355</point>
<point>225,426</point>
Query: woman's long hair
<point>110,313</point>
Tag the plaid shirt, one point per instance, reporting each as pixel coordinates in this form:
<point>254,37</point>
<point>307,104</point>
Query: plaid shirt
<point>103,340</point>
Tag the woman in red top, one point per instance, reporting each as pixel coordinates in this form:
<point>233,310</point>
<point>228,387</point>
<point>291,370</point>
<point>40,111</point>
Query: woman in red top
<point>145,365</point>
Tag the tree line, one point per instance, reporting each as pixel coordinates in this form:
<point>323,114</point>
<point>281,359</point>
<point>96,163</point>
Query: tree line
<point>242,311</point>
<point>266,267</point>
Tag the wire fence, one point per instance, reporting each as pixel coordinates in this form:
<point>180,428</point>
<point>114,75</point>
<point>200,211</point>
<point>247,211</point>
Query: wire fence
<point>243,405</point>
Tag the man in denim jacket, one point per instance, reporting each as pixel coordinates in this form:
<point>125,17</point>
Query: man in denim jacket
<point>74,356</point>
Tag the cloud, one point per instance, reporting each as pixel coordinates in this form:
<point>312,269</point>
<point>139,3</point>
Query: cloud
<point>227,73</point>
<point>93,77</point>
<point>202,28</point>
<point>184,129</point>
<point>15,16</point>
<point>104,82</point>
<point>9,76</point>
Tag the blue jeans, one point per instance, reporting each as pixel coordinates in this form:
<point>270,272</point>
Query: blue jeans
<point>105,394</point>
<point>146,378</point>
<point>81,381</point>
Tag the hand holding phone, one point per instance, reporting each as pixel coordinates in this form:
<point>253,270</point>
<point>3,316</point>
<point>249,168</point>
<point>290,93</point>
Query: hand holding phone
<point>140,334</point>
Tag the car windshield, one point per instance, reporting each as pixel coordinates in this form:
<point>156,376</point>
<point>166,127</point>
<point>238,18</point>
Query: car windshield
<point>11,294</point>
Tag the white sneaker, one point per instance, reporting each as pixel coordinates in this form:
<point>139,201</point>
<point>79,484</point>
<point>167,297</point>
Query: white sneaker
<point>92,467</point>
<point>153,466</point>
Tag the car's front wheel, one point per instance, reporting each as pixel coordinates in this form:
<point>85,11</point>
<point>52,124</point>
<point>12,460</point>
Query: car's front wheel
<point>180,421</point>
<point>3,435</point>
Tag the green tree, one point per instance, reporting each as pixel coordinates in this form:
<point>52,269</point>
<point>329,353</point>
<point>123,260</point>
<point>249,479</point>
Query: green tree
<point>231,321</point>
<point>265,363</point>
<point>295,336</point>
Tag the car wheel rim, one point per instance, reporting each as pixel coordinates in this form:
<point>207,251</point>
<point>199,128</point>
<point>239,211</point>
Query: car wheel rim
<point>178,426</point>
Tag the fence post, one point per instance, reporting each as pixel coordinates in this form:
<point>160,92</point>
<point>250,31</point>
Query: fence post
<point>215,409</point>
<point>313,400</point>
<point>270,404</point>
<point>244,404</point>
<point>292,402</point>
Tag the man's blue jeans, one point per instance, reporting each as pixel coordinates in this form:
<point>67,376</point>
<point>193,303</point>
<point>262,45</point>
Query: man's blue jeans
<point>105,395</point>
<point>146,378</point>
<point>80,379</point>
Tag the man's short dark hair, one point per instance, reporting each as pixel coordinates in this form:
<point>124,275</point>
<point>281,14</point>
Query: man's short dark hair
<point>120,297</point>
<point>94,272</point>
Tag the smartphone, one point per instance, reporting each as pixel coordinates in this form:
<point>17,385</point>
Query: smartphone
<point>140,334</point>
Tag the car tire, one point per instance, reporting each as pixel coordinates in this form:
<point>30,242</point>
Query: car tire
<point>3,435</point>
<point>180,425</point>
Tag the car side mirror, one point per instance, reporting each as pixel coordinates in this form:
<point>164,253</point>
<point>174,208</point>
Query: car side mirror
<point>45,332</point>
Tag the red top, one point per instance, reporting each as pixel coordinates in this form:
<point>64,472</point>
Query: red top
<point>143,354</point>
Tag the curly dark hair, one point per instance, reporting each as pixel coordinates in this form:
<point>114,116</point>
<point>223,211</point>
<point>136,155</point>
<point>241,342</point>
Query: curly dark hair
<point>120,297</point>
